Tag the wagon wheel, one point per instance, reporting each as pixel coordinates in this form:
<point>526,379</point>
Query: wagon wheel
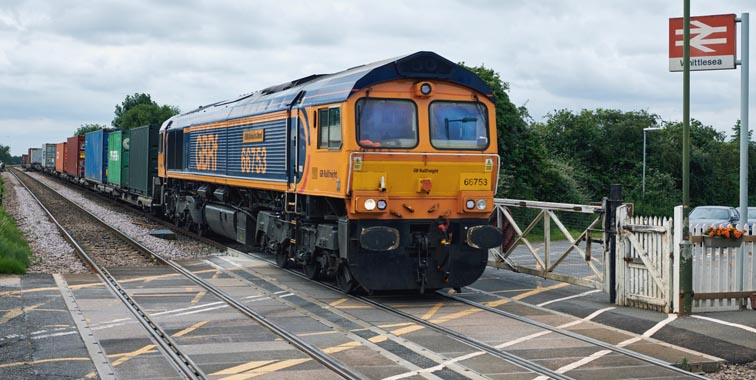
<point>284,255</point>
<point>344,280</point>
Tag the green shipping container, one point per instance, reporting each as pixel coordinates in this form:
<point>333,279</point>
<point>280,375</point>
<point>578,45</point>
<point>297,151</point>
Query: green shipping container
<point>144,158</point>
<point>118,159</point>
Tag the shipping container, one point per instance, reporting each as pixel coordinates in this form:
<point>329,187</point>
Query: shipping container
<point>48,156</point>
<point>60,156</point>
<point>143,148</point>
<point>24,159</point>
<point>35,156</point>
<point>118,159</point>
<point>96,156</point>
<point>74,159</point>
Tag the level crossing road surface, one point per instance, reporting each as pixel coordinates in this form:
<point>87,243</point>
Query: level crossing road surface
<point>70,326</point>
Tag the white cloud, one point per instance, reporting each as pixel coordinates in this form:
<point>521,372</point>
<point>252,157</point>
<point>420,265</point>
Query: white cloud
<point>68,62</point>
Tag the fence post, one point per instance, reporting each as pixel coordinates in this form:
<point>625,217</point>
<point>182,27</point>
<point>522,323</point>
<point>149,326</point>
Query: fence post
<point>686,278</point>
<point>610,223</point>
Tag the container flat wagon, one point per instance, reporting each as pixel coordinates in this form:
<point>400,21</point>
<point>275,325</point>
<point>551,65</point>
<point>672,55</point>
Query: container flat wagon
<point>60,157</point>
<point>48,157</point>
<point>73,164</point>
<point>96,159</point>
<point>35,159</point>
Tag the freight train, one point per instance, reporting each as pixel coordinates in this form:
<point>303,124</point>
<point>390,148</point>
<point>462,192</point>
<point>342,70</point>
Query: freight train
<point>381,176</point>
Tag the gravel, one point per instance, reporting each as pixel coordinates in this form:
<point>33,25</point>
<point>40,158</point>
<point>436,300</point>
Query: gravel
<point>51,253</point>
<point>136,227</point>
<point>735,372</point>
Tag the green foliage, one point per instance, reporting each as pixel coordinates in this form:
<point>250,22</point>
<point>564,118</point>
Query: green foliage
<point>14,250</point>
<point>144,114</point>
<point>527,169</point>
<point>139,110</point>
<point>5,155</point>
<point>86,128</point>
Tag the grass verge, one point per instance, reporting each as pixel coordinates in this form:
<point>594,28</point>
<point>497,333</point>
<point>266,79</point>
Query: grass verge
<point>14,250</point>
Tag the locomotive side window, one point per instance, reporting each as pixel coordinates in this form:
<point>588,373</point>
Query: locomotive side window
<point>386,123</point>
<point>329,125</point>
<point>175,159</point>
<point>459,125</point>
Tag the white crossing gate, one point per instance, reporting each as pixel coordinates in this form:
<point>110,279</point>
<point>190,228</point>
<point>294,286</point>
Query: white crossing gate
<point>644,261</point>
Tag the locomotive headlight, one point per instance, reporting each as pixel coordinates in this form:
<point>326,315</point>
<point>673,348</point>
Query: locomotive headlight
<point>425,89</point>
<point>470,204</point>
<point>482,204</point>
<point>382,204</point>
<point>370,204</point>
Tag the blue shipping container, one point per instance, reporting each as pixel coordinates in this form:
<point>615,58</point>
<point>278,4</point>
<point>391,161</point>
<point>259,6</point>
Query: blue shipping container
<point>96,156</point>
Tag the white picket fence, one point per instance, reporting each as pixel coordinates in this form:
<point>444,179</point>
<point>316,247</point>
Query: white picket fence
<point>715,271</point>
<point>648,270</point>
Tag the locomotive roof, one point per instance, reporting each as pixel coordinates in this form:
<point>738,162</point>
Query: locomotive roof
<point>332,88</point>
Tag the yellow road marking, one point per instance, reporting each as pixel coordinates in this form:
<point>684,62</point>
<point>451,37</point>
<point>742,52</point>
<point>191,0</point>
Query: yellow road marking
<point>337,302</point>
<point>266,369</point>
<point>433,310</point>
<point>243,367</point>
<point>148,348</point>
<point>199,296</point>
<point>95,284</point>
<point>6,365</point>
<point>13,313</point>
<point>341,347</point>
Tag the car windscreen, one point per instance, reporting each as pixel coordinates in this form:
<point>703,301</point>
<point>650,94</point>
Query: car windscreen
<point>710,213</point>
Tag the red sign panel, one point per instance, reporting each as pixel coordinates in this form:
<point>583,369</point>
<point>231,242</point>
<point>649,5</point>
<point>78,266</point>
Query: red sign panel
<point>712,43</point>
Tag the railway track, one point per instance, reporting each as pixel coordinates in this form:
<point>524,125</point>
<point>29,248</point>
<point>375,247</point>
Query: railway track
<point>539,371</point>
<point>67,215</point>
<point>599,348</point>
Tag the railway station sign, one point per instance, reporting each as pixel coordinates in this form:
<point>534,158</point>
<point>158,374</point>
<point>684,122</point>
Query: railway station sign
<point>712,43</point>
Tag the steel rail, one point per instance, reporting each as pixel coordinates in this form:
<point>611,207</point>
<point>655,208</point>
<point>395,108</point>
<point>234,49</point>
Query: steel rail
<point>182,363</point>
<point>316,354</point>
<point>511,358</point>
<point>565,332</point>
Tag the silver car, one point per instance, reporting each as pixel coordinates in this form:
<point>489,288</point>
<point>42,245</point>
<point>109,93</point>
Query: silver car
<point>705,216</point>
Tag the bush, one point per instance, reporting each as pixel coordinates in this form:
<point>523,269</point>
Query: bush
<point>14,250</point>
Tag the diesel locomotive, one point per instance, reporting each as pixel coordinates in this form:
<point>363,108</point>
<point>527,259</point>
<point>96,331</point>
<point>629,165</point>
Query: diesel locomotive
<point>381,176</point>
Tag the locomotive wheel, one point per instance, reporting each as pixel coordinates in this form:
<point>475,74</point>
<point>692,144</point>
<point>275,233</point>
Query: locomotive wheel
<point>345,281</point>
<point>283,256</point>
<point>312,270</point>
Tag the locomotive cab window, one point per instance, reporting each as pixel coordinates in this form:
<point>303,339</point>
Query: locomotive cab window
<point>459,125</point>
<point>329,125</point>
<point>386,123</point>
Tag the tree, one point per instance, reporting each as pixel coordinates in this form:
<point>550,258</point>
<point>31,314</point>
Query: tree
<point>86,128</point>
<point>143,114</point>
<point>129,103</point>
<point>139,110</point>
<point>5,155</point>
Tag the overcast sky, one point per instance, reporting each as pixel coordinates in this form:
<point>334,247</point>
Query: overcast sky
<point>67,63</point>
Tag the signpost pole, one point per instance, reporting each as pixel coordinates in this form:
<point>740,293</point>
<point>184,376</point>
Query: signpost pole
<point>743,143</point>
<point>685,245</point>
